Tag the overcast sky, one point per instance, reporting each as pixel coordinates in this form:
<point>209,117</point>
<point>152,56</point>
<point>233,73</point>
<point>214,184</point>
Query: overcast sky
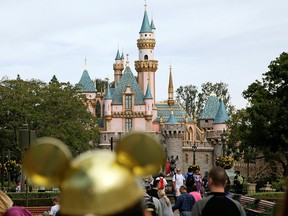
<point>232,41</point>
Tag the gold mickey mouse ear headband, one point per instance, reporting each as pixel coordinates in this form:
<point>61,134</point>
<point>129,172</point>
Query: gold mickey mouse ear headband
<point>95,178</point>
<point>46,161</point>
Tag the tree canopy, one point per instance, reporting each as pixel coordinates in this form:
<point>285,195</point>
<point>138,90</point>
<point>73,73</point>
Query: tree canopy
<point>53,109</point>
<point>263,125</point>
<point>193,101</point>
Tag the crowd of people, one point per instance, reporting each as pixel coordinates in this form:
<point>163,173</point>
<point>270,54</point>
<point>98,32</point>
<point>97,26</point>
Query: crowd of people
<point>194,194</point>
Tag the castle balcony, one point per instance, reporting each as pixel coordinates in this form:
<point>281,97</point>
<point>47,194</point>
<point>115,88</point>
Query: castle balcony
<point>215,135</point>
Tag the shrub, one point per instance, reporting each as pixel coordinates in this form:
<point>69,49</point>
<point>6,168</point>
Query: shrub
<point>271,196</point>
<point>278,185</point>
<point>34,198</point>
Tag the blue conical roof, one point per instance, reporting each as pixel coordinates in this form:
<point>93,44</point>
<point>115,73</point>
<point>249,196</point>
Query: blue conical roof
<point>211,108</point>
<point>152,25</point>
<point>118,55</point>
<point>145,24</point>
<point>122,56</point>
<point>86,84</point>
<point>148,94</point>
<point>108,93</point>
<point>222,115</point>
<point>172,119</point>
<point>128,79</point>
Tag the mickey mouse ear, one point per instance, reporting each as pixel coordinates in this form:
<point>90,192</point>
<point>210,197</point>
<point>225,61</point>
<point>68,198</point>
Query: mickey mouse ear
<point>141,153</point>
<point>46,161</point>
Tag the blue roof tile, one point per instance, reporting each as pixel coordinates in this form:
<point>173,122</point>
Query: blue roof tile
<point>211,108</point>
<point>222,115</point>
<point>86,84</point>
<point>164,111</point>
<point>152,25</point>
<point>172,119</point>
<point>108,93</point>
<point>145,24</point>
<point>148,94</point>
<point>118,57</point>
<point>127,79</point>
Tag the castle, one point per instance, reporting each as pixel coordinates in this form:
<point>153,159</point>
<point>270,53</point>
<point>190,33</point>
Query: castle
<point>131,106</point>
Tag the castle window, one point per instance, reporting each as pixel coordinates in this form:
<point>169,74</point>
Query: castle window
<point>128,101</point>
<point>128,124</point>
<point>145,35</point>
<point>146,57</point>
<point>98,110</point>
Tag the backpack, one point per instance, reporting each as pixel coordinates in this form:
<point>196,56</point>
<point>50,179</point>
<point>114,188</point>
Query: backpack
<point>161,183</point>
<point>150,205</point>
<point>190,181</point>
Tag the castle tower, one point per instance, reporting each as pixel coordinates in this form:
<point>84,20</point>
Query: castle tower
<point>170,89</point>
<point>86,87</point>
<point>173,133</point>
<point>108,107</point>
<point>148,99</point>
<point>146,66</point>
<point>118,67</point>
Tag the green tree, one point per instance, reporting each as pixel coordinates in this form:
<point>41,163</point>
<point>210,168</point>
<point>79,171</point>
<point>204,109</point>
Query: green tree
<point>18,101</point>
<point>267,113</point>
<point>193,101</point>
<point>53,109</point>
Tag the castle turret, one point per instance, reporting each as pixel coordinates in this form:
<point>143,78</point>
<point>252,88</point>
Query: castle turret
<point>170,89</point>
<point>146,65</point>
<point>107,104</point>
<point>221,118</point>
<point>148,99</point>
<point>118,67</point>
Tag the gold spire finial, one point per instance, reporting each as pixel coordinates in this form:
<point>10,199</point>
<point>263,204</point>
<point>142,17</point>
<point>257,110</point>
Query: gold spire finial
<point>85,63</point>
<point>127,60</point>
<point>145,5</point>
<point>170,89</point>
<point>213,93</point>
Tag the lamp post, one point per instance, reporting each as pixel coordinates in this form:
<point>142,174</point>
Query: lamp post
<point>26,138</point>
<point>194,148</point>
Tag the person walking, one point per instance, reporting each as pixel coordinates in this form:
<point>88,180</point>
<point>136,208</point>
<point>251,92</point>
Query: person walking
<point>217,203</point>
<point>189,178</point>
<point>165,204</point>
<point>238,182</point>
<point>178,180</point>
<point>184,202</point>
<point>195,193</point>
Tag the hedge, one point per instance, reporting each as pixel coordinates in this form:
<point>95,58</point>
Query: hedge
<point>34,198</point>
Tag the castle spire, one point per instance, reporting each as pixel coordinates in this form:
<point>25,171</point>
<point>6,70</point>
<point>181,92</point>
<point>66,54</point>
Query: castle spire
<point>127,60</point>
<point>118,67</point>
<point>146,66</point>
<point>145,27</point>
<point>170,89</point>
<point>85,63</point>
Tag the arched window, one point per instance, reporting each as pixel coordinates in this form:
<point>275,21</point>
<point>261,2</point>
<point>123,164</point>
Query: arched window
<point>98,109</point>
<point>146,57</point>
<point>190,134</point>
